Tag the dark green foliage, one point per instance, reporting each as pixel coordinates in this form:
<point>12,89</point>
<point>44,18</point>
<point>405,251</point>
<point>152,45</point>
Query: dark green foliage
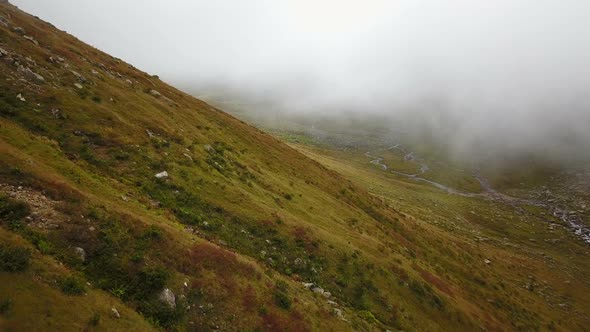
<point>94,320</point>
<point>282,300</point>
<point>5,306</point>
<point>72,285</point>
<point>149,281</point>
<point>159,313</point>
<point>426,292</point>
<point>152,233</point>
<point>14,259</point>
<point>11,209</point>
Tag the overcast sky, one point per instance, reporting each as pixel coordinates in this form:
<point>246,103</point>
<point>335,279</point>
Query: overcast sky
<point>483,61</point>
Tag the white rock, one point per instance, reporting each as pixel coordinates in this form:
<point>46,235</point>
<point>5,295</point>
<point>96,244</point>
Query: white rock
<point>162,175</point>
<point>307,284</point>
<point>487,261</point>
<point>115,313</point>
<point>81,253</point>
<point>20,97</point>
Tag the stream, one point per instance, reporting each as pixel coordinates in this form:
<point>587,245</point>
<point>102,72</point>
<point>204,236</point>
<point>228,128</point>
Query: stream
<point>571,219</point>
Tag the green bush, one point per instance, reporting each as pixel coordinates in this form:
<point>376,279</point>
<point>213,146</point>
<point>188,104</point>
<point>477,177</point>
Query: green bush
<point>11,210</point>
<point>14,259</point>
<point>72,285</point>
<point>282,300</point>
<point>5,306</point>
<point>159,313</point>
<point>94,320</point>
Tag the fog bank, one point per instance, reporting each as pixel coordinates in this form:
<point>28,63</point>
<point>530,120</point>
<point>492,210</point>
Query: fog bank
<point>508,74</point>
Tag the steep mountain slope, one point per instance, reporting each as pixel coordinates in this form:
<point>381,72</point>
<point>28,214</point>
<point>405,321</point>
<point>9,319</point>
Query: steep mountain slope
<point>158,202</point>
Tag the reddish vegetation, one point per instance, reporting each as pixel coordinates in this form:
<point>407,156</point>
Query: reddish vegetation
<point>276,323</point>
<point>210,257</point>
<point>434,280</point>
<point>401,273</point>
<point>303,239</point>
<point>249,299</point>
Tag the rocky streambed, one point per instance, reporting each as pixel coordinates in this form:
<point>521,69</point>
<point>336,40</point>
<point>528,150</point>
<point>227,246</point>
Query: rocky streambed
<point>570,217</point>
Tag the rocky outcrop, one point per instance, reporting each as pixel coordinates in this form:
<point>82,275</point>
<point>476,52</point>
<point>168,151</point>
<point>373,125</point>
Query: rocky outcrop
<point>168,297</point>
<point>30,75</point>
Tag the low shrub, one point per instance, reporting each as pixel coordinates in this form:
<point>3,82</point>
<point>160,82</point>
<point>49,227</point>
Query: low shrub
<point>14,259</point>
<point>5,306</point>
<point>282,300</point>
<point>11,210</point>
<point>72,285</point>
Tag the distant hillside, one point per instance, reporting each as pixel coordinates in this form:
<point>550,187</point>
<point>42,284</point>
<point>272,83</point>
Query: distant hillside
<point>127,204</point>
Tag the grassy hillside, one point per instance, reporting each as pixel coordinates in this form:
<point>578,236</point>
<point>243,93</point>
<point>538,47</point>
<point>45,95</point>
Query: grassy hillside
<point>126,190</point>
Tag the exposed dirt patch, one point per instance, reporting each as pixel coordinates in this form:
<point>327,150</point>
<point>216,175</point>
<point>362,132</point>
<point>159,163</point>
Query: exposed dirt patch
<point>44,214</point>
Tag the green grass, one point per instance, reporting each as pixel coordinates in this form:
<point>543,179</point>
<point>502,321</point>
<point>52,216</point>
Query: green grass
<point>241,220</point>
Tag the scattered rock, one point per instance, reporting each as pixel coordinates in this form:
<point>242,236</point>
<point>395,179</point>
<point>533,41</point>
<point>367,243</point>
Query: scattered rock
<point>339,314</point>
<point>79,76</point>
<point>155,93</point>
<point>3,21</point>
<point>128,81</point>
<point>167,296</point>
<point>20,97</point>
<point>31,39</point>
<point>209,148</point>
<point>30,75</point>
<point>487,261</point>
<point>19,30</point>
<point>80,253</point>
<point>78,85</point>
<point>318,290</point>
<point>3,52</point>
<point>115,313</point>
<point>162,175</point>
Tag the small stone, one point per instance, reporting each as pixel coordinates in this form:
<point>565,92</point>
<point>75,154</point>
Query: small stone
<point>78,85</point>
<point>80,253</point>
<point>487,261</point>
<point>19,30</point>
<point>115,313</point>
<point>20,97</point>
<point>162,175</point>
<point>31,39</point>
<point>79,76</point>
<point>318,290</point>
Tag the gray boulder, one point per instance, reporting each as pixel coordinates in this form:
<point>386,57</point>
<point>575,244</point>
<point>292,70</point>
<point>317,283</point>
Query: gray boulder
<point>80,253</point>
<point>30,75</point>
<point>168,297</point>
